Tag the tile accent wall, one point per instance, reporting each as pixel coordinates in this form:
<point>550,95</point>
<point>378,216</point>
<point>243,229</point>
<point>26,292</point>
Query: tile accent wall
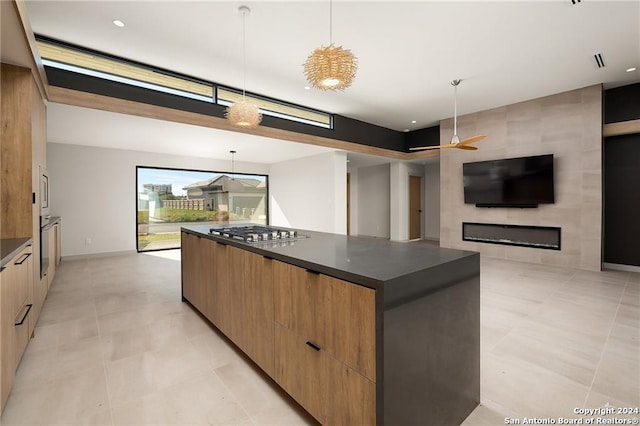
<point>568,125</point>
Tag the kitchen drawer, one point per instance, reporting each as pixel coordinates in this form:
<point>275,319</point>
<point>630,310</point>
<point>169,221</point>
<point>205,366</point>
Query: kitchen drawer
<point>21,333</point>
<point>22,285</point>
<point>301,371</point>
<point>329,390</point>
<point>337,315</point>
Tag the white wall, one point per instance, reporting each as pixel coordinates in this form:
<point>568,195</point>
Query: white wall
<point>354,201</point>
<point>93,190</point>
<point>432,200</point>
<point>399,201</point>
<point>310,193</point>
<point>374,201</point>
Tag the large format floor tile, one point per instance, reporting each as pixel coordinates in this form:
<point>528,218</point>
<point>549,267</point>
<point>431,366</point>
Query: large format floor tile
<point>115,345</point>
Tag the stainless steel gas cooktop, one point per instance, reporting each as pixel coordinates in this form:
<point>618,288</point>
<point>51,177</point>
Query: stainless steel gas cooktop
<point>256,233</point>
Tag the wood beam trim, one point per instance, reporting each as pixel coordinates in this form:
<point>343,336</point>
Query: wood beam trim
<point>105,103</point>
<point>621,128</point>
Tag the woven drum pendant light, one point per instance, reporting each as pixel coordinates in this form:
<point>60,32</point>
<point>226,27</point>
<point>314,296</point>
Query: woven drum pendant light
<point>331,67</point>
<point>244,113</point>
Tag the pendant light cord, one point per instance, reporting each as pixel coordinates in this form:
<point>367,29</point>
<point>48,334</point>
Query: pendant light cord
<point>330,22</point>
<point>244,54</point>
<point>233,165</point>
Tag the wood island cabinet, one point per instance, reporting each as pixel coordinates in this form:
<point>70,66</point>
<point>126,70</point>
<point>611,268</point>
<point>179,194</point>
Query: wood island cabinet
<point>194,277</point>
<point>325,341</point>
<point>313,334</point>
<point>258,330</point>
<point>357,331</point>
<point>218,289</point>
<point>232,288</point>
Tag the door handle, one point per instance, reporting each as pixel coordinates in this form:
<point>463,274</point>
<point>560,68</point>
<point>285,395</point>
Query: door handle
<point>313,346</point>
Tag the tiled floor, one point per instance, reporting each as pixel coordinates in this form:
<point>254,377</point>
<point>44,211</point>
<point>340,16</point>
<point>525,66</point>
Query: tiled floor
<point>115,345</point>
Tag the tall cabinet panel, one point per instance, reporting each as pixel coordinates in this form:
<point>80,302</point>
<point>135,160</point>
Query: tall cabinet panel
<point>16,214</point>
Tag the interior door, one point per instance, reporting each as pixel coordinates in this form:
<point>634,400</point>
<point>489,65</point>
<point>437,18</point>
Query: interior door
<point>415,207</point>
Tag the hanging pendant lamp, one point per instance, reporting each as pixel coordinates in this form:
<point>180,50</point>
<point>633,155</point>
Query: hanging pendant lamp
<point>244,113</point>
<point>331,67</point>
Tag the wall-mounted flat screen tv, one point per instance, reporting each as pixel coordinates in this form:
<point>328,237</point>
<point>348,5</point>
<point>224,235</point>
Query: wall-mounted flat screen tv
<point>512,182</point>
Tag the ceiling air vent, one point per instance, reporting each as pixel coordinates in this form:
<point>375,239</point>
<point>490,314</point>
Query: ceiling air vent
<point>599,60</point>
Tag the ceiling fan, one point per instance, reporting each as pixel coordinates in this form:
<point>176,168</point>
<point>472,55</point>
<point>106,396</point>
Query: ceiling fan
<point>455,140</point>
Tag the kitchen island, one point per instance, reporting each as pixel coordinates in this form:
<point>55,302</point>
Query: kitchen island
<point>357,330</point>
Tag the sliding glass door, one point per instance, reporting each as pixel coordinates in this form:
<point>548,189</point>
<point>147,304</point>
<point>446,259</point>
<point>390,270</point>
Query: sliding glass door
<point>168,199</point>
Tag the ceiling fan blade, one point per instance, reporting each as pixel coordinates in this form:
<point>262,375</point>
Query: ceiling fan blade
<point>467,147</point>
<point>423,148</point>
<point>472,139</point>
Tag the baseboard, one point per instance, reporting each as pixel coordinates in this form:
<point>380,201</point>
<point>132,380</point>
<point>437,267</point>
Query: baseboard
<point>94,255</point>
<point>618,267</point>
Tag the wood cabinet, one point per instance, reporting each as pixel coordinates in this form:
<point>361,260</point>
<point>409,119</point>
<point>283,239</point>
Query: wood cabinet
<point>233,289</point>
<point>329,390</point>
<point>300,369</point>
<point>397,344</point>
<point>257,310</point>
<point>314,334</point>
<point>194,275</point>
<point>18,94</point>
<point>16,300</point>
<point>325,341</point>
<point>335,315</point>
<point>218,309</point>
<point>232,294</point>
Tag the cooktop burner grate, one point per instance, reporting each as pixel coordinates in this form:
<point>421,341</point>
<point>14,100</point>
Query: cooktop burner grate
<point>255,233</point>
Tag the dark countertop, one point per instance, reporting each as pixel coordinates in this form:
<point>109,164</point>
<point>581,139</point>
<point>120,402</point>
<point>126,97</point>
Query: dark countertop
<point>52,221</point>
<point>368,261</point>
<point>10,247</point>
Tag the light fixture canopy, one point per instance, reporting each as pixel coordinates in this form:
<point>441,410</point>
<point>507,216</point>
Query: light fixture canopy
<point>331,67</point>
<point>244,113</point>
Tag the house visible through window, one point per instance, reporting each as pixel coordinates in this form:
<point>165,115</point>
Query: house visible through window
<point>171,198</point>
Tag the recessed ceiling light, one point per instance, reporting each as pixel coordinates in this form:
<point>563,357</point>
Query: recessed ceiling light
<point>118,23</point>
<point>406,130</point>
<point>307,88</point>
<point>413,121</point>
<point>632,69</point>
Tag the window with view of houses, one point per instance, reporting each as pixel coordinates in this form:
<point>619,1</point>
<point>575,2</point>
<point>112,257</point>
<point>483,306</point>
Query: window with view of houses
<point>171,198</point>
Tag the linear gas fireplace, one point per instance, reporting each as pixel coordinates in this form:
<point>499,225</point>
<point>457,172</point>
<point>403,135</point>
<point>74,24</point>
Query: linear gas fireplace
<point>543,237</point>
